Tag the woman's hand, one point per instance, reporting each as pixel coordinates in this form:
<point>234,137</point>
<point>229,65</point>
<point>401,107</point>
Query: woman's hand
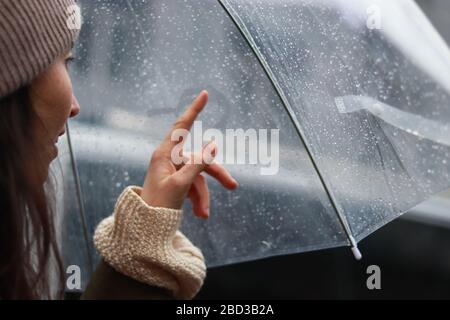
<point>167,185</point>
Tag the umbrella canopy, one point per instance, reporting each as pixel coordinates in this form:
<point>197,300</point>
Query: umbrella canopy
<point>361,101</point>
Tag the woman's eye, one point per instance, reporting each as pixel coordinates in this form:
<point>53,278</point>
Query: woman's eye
<point>69,61</point>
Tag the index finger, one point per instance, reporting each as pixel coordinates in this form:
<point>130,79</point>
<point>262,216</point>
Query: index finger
<point>186,120</point>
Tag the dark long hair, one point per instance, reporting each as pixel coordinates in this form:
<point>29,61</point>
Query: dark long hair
<point>28,246</point>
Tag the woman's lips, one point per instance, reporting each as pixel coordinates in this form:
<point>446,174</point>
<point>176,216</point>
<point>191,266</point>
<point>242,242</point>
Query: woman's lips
<point>57,138</point>
<point>54,151</point>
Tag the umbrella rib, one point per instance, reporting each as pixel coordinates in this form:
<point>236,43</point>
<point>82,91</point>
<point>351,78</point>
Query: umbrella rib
<point>247,36</point>
<point>80,200</point>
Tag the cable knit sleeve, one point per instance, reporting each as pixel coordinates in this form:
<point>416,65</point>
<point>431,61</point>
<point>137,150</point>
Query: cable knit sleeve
<point>144,243</point>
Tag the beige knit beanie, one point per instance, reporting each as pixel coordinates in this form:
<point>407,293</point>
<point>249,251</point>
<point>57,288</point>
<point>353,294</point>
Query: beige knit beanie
<point>33,33</point>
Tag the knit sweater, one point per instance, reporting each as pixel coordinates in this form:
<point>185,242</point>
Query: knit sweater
<point>144,243</point>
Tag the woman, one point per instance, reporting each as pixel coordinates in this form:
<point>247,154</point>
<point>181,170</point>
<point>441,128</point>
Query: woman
<point>144,254</point>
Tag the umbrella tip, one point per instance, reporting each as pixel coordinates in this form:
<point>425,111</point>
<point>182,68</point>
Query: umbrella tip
<point>356,252</point>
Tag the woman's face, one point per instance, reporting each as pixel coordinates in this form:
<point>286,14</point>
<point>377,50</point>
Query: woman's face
<point>53,102</point>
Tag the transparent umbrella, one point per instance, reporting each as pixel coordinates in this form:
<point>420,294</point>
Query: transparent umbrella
<point>359,91</point>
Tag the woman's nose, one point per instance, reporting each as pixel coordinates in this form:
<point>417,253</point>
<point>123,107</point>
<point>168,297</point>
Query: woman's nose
<point>75,107</point>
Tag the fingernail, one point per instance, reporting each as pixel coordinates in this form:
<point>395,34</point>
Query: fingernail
<point>209,143</point>
<point>210,152</point>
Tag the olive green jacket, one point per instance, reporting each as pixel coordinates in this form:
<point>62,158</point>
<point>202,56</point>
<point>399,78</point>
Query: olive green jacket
<point>108,284</point>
